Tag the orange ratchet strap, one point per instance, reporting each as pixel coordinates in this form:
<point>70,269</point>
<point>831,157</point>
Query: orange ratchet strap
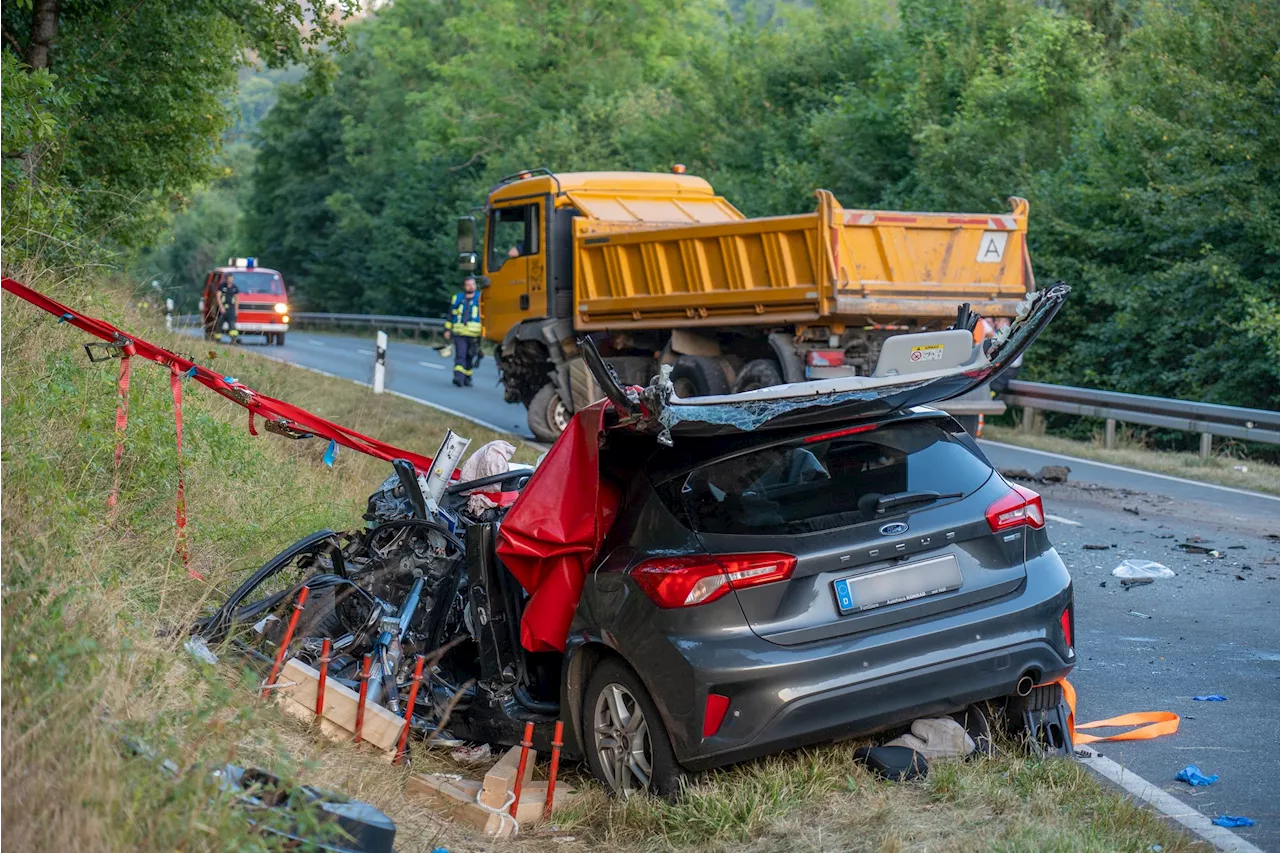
<point>1151,724</point>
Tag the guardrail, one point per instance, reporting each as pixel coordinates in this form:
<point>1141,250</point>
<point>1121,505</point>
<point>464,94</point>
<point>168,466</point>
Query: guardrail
<point>372,321</point>
<point>1208,419</point>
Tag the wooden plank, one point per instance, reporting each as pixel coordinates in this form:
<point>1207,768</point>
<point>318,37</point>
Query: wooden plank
<point>299,682</point>
<point>501,778</point>
<point>456,800</point>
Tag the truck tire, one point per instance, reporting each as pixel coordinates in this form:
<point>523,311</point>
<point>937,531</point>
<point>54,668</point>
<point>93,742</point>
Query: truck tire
<point>548,415</point>
<point>279,339</point>
<point>698,376</point>
<point>758,373</point>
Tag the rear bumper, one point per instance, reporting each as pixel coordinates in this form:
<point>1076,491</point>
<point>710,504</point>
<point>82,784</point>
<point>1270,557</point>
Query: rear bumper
<point>785,697</point>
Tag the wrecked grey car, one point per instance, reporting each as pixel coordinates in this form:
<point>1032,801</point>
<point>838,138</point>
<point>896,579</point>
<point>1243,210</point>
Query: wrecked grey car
<point>688,583</point>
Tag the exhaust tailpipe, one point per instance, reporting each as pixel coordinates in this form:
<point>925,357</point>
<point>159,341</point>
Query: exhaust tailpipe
<point>1025,684</point>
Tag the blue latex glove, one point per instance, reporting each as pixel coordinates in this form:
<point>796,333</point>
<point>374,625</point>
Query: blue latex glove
<point>1213,697</point>
<point>1229,820</point>
<point>1192,776</point>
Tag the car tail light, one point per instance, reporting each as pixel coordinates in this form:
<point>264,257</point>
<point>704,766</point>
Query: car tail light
<point>717,707</point>
<point>1020,506</point>
<point>824,358</point>
<point>1066,629</point>
<point>689,581</point>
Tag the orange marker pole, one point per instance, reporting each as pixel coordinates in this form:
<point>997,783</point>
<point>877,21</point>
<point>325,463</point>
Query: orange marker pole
<point>525,744</point>
<point>364,697</point>
<point>556,743</point>
<point>288,638</point>
<point>408,711</point>
<point>324,677</point>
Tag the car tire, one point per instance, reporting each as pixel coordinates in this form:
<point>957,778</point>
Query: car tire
<point>758,373</point>
<point>622,732</point>
<point>548,415</point>
<point>699,376</point>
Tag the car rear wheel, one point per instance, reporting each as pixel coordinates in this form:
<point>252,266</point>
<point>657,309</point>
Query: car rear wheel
<point>626,743</point>
<point>548,415</point>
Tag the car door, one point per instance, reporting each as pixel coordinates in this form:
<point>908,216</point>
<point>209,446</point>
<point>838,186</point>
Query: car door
<point>514,265</point>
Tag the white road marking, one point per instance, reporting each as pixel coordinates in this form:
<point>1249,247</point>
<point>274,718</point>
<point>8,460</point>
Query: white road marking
<point>432,366</point>
<point>1109,466</point>
<point>1164,802</point>
<point>1061,520</point>
<point>316,343</point>
<point>364,352</point>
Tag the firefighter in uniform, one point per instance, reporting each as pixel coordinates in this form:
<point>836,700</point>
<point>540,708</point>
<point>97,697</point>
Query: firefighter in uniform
<point>464,330</point>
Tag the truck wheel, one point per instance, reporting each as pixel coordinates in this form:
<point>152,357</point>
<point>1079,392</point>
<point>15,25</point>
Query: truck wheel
<point>548,415</point>
<point>698,376</point>
<point>758,373</point>
<point>279,339</point>
<point>627,747</point>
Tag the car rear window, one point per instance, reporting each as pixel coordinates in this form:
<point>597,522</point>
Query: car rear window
<point>810,485</point>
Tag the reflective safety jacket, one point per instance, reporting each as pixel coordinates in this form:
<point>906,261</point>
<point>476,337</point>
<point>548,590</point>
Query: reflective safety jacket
<point>464,316</point>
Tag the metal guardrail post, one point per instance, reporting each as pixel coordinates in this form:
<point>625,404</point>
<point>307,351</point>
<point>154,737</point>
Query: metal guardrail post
<point>1206,445</point>
<point>1111,434</point>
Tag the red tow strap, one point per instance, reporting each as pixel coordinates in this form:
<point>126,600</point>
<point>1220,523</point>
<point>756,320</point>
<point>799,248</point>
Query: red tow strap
<point>122,423</point>
<point>280,416</point>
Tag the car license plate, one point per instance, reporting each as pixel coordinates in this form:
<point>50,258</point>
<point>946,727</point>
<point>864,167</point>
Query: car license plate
<point>901,583</point>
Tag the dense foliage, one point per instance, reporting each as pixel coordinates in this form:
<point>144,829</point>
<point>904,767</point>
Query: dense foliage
<point>114,109</point>
<point>1143,134</point>
<point>1142,131</point>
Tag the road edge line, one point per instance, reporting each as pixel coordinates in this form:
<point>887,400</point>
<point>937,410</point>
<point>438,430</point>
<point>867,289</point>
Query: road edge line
<point>1245,492</point>
<point>1166,803</point>
<point>499,430</point>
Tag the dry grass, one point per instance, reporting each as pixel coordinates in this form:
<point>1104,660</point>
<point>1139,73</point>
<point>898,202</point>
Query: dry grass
<point>88,654</point>
<point>1129,452</point>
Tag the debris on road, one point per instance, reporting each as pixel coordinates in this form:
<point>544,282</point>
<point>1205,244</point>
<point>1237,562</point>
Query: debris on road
<point>1213,697</point>
<point>1132,509</point>
<point>1192,546</point>
<point>1016,474</point>
<point>1053,474</point>
<point>1193,777</point>
<point>1090,547</point>
<point>1130,582</point>
<point>1146,569</point>
<point>1232,820</point>
<point>1140,615</point>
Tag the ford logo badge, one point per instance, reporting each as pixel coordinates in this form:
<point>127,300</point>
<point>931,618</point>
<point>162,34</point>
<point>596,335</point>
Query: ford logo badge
<point>893,529</point>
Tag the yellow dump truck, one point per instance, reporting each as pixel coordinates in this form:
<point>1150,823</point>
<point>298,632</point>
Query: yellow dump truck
<point>658,269</point>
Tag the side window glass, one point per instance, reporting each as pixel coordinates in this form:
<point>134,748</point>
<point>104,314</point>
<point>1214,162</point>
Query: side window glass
<point>513,233</point>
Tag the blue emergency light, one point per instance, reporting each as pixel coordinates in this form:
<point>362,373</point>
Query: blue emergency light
<point>250,262</point>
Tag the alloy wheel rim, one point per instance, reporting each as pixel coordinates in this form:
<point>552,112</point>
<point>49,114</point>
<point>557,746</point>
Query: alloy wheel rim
<point>622,740</point>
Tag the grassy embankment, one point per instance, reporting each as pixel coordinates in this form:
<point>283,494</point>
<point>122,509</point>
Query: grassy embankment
<point>86,655</point>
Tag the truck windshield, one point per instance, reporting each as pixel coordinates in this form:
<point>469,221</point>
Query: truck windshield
<point>259,282</point>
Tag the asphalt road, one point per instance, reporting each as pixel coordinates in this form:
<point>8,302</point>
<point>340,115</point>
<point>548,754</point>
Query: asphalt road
<point>1212,629</point>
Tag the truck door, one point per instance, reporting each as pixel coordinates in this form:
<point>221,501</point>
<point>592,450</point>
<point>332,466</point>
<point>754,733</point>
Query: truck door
<point>515,264</point>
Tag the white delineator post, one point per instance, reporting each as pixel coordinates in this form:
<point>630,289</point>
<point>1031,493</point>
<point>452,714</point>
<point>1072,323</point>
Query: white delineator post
<point>380,364</point>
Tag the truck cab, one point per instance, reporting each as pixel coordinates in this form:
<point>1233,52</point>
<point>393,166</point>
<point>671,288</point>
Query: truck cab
<point>262,307</point>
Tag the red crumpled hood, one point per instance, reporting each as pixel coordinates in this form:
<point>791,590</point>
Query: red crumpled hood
<point>550,537</point>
